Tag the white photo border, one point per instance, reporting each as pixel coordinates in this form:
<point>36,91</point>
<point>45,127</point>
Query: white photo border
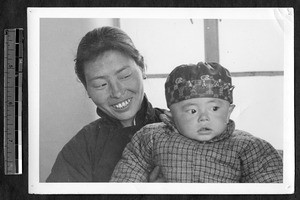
<point>33,17</point>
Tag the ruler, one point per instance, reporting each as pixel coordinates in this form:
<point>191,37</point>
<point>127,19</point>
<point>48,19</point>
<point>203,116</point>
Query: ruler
<point>13,77</point>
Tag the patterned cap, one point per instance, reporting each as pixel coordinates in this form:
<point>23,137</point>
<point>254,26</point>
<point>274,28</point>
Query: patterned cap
<point>206,79</point>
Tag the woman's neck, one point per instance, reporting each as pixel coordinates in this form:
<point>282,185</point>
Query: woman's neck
<point>128,123</point>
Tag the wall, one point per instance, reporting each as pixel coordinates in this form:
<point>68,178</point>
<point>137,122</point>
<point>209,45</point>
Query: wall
<point>244,45</point>
<point>166,43</point>
<point>255,45</point>
<point>64,105</point>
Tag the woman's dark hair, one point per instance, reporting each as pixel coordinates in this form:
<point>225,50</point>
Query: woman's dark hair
<point>103,39</point>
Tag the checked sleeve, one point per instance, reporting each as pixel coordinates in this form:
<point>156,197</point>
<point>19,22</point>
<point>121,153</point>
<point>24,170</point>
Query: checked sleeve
<point>136,162</point>
<point>261,163</point>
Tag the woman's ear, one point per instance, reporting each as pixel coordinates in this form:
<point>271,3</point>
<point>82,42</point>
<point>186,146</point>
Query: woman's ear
<point>144,74</point>
<point>143,70</point>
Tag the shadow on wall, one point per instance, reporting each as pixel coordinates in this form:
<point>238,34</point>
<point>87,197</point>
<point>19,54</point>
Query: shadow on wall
<point>64,105</point>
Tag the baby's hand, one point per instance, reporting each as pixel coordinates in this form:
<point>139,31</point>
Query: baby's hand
<point>156,175</point>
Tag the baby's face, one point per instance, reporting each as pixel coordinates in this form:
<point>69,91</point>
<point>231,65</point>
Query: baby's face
<point>201,118</point>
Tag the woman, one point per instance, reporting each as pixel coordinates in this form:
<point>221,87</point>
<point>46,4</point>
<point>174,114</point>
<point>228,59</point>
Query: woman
<point>112,72</point>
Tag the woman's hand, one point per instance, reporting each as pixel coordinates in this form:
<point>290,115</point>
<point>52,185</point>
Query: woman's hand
<point>156,176</point>
<point>166,117</point>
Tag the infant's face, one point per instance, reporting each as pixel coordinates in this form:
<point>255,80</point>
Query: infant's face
<point>201,118</point>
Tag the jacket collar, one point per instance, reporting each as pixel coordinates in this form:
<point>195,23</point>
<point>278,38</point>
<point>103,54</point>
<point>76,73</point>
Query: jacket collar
<point>144,115</point>
<point>226,133</point>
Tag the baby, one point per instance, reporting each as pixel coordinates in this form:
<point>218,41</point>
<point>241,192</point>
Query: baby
<point>198,141</point>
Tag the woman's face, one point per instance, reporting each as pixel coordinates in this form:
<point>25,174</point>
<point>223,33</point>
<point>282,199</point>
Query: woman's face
<point>115,84</point>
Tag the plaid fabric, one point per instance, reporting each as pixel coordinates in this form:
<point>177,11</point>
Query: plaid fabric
<point>233,156</point>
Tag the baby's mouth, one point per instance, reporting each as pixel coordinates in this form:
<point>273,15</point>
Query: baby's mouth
<point>204,130</point>
<point>122,105</point>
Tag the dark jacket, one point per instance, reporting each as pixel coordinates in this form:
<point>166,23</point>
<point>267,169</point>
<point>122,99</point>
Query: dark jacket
<point>92,154</point>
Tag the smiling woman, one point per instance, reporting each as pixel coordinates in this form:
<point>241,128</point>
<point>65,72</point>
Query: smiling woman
<point>112,72</point>
<point>115,84</point>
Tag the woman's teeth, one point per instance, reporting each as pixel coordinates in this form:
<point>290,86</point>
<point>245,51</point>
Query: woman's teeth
<point>122,104</point>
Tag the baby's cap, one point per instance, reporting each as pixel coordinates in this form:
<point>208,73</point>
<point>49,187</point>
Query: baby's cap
<point>205,79</point>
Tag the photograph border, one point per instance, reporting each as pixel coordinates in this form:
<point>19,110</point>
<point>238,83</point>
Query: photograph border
<point>35,186</point>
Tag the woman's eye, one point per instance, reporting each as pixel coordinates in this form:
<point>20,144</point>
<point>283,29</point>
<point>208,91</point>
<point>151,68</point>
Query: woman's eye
<point>100,86</point>
<point>215,108</point>
<point>126,76</point>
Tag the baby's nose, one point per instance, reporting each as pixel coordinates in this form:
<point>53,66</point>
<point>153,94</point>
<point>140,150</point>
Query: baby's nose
<point>203,117</point>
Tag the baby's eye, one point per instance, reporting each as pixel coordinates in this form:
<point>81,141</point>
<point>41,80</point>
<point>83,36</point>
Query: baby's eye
<point>192,111</point>
<point>215,108</point>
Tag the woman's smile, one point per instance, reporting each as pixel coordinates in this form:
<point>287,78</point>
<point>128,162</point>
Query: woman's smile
<point>115,84</point>
<point>122,105</point>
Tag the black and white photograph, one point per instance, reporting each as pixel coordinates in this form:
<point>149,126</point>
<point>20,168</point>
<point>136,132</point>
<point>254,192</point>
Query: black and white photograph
<point>161,100</point>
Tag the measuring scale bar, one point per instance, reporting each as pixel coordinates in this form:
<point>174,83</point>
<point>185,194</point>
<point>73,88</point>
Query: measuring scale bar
<point>13,77</point>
